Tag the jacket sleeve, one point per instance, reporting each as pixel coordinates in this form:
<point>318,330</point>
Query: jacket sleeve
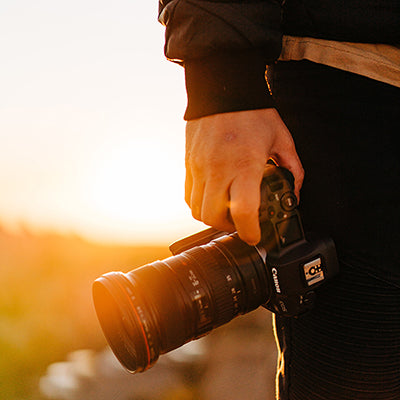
<point>224,46</point>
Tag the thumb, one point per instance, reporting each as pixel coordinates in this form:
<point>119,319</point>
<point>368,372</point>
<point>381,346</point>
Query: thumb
<point>291,161</point>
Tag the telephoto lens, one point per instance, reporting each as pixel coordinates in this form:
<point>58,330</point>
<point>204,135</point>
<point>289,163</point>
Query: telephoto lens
<point>159,307</point>
<point>214,277</point>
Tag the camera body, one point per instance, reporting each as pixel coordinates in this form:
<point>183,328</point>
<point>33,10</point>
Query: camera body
<point>295,263</point>
<point>212,278</point>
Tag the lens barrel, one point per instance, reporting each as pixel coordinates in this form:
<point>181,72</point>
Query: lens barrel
<point>158,307</point>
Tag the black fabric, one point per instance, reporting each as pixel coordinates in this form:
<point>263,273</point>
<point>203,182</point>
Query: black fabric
<point>348,347</point>
<point>345,128</point>
<point>213,86</point>
<point>371,21</point>
<point>200,31</point>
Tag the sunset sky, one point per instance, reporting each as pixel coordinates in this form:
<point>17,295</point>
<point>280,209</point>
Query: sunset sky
<point>91,128</point>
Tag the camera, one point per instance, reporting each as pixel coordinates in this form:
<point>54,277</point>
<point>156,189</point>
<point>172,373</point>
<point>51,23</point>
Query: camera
<point>213,277</point>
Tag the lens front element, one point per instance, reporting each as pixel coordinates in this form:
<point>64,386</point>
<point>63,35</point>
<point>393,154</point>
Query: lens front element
<point>159,307</point>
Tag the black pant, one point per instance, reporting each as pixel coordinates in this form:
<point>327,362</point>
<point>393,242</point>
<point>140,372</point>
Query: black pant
<point>346,130</point>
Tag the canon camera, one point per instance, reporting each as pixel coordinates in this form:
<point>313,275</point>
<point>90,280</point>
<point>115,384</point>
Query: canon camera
<point>213,277</point>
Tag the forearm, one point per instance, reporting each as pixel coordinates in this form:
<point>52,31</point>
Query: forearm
<point>224,47</point>
<point>197,29</point>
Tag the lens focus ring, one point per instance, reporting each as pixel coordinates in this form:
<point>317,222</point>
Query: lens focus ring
<point>222,282</point>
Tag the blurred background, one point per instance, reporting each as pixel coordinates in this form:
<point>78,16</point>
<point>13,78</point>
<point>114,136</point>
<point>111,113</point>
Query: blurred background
<point>91,180</point>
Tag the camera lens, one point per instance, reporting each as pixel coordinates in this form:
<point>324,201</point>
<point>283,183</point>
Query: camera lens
<point>158,307</point>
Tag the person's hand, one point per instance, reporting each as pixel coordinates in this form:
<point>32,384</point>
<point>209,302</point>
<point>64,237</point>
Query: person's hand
<point>226,156</point>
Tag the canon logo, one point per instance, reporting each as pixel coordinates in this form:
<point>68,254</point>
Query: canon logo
<point>276,281</point>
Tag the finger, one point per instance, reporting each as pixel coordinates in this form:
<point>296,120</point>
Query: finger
<point>196,198</point>
<point>188,186</point>
<point>245,202</point>
<point>215,206</point>
<point>298,173</point>
<point>291,161</point>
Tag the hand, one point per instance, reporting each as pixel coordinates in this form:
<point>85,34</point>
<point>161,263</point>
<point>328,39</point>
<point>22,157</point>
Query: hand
<point>225,160</point>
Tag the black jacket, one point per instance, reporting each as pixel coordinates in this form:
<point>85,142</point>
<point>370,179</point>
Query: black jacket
<point>225,44</point>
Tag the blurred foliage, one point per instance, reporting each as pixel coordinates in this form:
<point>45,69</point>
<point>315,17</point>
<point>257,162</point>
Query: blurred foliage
<point>46,310</point>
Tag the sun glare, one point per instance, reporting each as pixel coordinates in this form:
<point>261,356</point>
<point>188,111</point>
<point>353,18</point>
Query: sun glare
<point>91,132</point>
<point>136,189</point>
<point>128,183</point>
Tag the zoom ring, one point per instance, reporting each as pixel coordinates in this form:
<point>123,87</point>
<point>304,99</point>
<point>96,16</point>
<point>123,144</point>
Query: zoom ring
<point>222,283</point>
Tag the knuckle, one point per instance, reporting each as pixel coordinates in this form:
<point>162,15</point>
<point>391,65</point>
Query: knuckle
<point>251,165</point>
<point>215,162</point>
<point>215,174</point>
<point>247,163</point>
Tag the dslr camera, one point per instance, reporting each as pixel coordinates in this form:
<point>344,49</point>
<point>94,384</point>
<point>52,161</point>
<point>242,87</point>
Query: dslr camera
<point>213,277</point>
